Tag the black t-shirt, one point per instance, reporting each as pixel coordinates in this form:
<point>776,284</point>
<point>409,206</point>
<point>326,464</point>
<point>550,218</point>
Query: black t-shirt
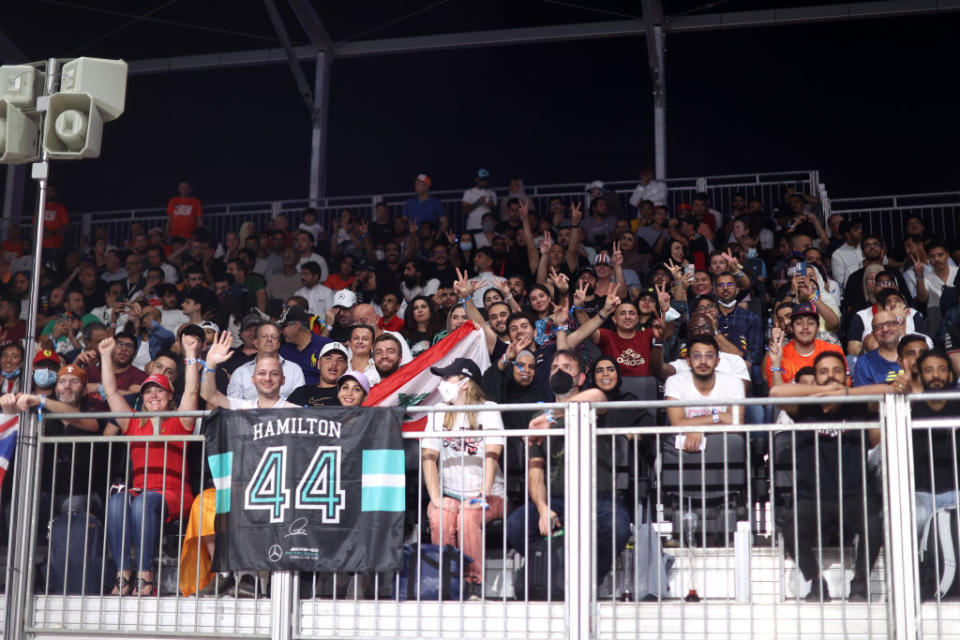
<point>313,396</point>
<point>835,446</point>
<point>554,471</point>
<point>87,462</point>
<point>381,233</point>
<point>943,442</point>
<point>446,275</point>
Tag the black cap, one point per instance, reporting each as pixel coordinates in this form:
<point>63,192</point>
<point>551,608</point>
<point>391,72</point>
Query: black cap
<point>251,320</point>
<point>459,367</point>
<point>700,298</point>
<point>649,292</point>
<point>883,294</point>
<point>294,314</point>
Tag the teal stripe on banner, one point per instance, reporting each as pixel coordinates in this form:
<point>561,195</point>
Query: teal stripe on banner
<point>223,500</point>
<point>383,461</point>
<point>379,498</point>
<point>221,465</point>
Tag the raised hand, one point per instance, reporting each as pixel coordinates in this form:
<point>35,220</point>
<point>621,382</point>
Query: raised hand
<point>524,209</point>
<point>220,350</point>
<point>732,262</point>
<point>617,257</point>
<point>546,243</point>
<point>611,304</point>
<point>85,358</point>
<point>562,282</point>
<point>659,329</point>
<point>461,285</point>
<point>663,298</point>
<point>775,348</point>
<point>580,295</point>
<point>576,215</point>
<point>516,346</point>
<point>561,313</point>
<point>106,347</point>
<point>191,346</point>
<point>451,237</point>
<point>675,270</point>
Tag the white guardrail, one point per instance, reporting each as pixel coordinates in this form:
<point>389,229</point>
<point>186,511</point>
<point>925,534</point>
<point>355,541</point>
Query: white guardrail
<point>655,543</point>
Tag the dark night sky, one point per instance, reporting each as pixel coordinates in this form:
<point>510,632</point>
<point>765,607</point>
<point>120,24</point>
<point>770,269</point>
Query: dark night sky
<point>869,103</point>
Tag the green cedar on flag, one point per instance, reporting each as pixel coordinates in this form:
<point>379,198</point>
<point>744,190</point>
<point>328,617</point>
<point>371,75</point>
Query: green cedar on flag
<point>382,480</point>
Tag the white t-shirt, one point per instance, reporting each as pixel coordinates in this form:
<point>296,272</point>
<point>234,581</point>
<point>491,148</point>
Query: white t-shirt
<point>241,382</point>
<point>462,459</point>
<point>319,299</point>
<point>476,215</point>
<point>725,387</point>
<point>319,259</point>
<point>729,364</point>
<point>238,403</point>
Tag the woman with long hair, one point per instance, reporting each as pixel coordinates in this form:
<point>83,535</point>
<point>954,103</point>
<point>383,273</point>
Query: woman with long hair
<point>462,474</point>
<point>456,316</point>
<point>159,489</point>
<point>420,323</point>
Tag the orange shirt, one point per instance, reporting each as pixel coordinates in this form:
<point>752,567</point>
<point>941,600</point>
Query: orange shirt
<point>184,214</point>
<point>793,361</point>
<point>55,218</point>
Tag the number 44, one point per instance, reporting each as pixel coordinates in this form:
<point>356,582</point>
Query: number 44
<point>318,489</point>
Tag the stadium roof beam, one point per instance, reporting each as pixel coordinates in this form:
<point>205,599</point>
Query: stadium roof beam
<point>555,33</point>
<point>311,23</point>
<point>654,25</point>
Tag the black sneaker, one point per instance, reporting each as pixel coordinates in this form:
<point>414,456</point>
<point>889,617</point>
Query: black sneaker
<point>247,587</point>
<point>858,590</point>
<point>472,591</point>
<point>818,592</point>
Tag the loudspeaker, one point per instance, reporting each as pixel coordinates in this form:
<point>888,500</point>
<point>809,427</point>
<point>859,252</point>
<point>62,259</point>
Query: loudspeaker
<point>73,128</point>
<point>19,133</point>
<point>105,80</point>
<point>19,85</point>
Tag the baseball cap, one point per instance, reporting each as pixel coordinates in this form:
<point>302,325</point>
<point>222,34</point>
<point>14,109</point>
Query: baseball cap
<point>250,320</point>
<point>330,347</point>
<point>359,377</point>
<point>344,298</point>
<point>46,355</point>
<point>293,314</point>
<point>483,174</point>
<point>425,179</point>
<point>601,258</point>
<point>73,370</point>
<point>158,379</point>
<point>459,367</point>
<point>803,309</point>
<point>889,292</point>
<point>703,297</point>
<point>596,184</point>
<point>649,292</point>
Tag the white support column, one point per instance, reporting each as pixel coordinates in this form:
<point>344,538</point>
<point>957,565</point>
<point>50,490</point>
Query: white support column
<point>579,519</point>
<point>318,143</point>
<point>899,515</point>
<point>659,106</point>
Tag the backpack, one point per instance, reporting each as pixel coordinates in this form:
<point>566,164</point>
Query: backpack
<point>542,571</point>
<point>422,577</point>
<point>76,555</point>
<point>940,556</point>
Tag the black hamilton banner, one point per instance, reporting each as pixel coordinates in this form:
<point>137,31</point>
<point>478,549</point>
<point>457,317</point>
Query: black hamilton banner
<point>317,489</point>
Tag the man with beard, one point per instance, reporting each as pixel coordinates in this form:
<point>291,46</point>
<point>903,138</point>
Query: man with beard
<point>784,360</point>
<point>331,365</point>
<point>909,349</point>
<point>543,514</point>
<point>414,284</point>
<point>268,344</point>
<point>700,325</point>
<point>737,325</point>
<point>702,381</point>
<point>494,326</point>
<point>129,377</point>
<point>854,298</point>
<point>829,473</point>
<point>319,297</point>
<point>389,269</point>
<point>366,314</point>
<point>386,354</point>
<point>439,267</point>
<point>934,450</point>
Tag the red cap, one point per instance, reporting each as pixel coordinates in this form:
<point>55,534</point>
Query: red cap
<point>425,179</point>
<point>158,379</point>
<point>46,354</point>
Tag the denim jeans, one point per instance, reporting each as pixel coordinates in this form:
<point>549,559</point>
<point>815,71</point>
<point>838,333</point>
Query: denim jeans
<point>135,520</point>
<point>926,506</point>
<point>607,542</point>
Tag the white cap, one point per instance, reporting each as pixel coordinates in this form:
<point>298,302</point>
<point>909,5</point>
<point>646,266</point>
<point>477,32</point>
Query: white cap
<point>344,298</point>
<point>596,184</point>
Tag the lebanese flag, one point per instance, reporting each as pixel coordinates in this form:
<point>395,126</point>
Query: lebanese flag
<point>413,384</point>
<point>9,425</point>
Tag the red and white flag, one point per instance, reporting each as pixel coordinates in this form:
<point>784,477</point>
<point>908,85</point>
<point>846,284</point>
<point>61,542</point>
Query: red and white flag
<point>413,384</point>
<point>9,425</point>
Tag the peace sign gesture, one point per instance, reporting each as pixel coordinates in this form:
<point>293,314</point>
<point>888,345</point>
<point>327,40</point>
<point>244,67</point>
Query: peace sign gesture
<point>546,243</point>
<point>663,298</point>
<point>524,209</point>
<point>560,280</point>
<point>675,270</point>
<point>580,295</point>
<point>617,257</point>
<point>775,348</point>
<point>576,215</point>
<point>734,264</point>
<point>462,285</point>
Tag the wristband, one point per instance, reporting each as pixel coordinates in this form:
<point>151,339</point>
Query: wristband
<point>463,302</point>
<point>777,369</point>
<point>103,395</point>
<point>716,417</point>
<point>657,344</point>
<point>207,369</point>
<point>563,327</point>
<point>189,361</point>
<point>603,317</point>
<point>738,274</point>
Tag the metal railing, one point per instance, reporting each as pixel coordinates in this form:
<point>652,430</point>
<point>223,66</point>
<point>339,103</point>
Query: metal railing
<point>221,218</point>
<point>887,215</point>
<point>718,517</point>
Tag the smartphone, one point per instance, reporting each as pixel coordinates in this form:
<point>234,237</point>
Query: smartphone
<point>752,252</point>
<point>688,270</point>
<point>800,268</point>
<point>63,318</point>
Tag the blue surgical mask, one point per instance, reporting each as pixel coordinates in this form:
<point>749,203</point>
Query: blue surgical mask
<point>466,246</point>
<point>45,377</point>
<point>10,375</point>
<point>489,225</point>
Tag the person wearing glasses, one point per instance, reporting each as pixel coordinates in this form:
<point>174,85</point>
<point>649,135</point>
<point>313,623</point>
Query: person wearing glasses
<point>268,345</point>
<point>128,377</point>
<point>736,324</point>
<point>882,365</point>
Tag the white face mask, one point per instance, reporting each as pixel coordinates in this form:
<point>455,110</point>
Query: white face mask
<point>449,390</point>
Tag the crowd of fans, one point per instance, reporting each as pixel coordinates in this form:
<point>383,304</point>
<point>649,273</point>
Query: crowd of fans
<point>607,299</point>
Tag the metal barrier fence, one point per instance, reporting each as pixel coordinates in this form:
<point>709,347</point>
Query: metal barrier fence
<point>887,215</point>
<point>727,521</point>
<point>221,218</point>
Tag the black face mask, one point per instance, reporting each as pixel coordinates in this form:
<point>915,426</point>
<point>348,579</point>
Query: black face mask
<point>561,383</point>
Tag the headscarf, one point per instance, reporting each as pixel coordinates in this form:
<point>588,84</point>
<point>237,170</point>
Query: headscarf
<point>873,269</point>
